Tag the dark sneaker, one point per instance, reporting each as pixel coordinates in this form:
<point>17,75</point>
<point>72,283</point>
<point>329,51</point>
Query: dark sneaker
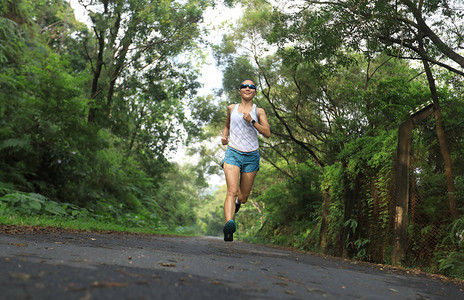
<point>237,206</point>
<point>229,230</point>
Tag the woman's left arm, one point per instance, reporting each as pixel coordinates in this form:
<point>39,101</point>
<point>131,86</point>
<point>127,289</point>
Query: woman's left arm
<point>262,124</point>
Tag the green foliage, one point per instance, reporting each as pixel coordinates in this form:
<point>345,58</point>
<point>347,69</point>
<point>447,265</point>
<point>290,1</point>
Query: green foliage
<point>334,184</point>
<point>452,261</point>
<point>452,264</point>
<point>113,166</point>
<point>336,91</point>
<point>10,41</point>
<point>32,204</point>
<point>89,115</point>
<point>283,208</point>
<point>359,244</point>
<point>181,197</point>
<point>369,152</point>
<point>236,72</point>
<point>210,211</point>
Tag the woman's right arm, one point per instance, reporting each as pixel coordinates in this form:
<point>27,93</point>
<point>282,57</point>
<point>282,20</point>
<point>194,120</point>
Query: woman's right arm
<point>225,131</point>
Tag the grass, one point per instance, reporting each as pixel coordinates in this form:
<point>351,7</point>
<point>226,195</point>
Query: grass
<point>91,224</point>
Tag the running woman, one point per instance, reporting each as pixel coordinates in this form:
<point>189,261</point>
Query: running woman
<point>241,160</point>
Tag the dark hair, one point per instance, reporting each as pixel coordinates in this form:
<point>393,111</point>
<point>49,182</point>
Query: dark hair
<point>248,80</point>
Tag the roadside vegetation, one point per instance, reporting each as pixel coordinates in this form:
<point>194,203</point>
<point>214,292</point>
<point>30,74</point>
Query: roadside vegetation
<point>91,116</point>
<point>91,113</point>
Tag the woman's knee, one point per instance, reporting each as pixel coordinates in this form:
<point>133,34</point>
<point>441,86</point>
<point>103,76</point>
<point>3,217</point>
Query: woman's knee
<point>232,193</point>
<point>243,197</point>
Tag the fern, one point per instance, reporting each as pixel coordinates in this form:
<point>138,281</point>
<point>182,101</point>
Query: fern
<point>453,264</point>
<point>6,188</point>
<point>16,145</point>
<point>28,203</point>
<point>9,38</point>
<point>37,204</point>
<point>456,233</point>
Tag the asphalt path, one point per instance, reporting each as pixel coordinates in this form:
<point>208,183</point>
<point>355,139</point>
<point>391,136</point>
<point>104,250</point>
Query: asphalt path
<point>82,265</point>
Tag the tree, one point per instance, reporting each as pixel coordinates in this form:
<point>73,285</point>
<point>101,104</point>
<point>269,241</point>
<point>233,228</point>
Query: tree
<point>117,163</point>
<point>135,37</point>
<point>398,27</point>
<point>332,103</point>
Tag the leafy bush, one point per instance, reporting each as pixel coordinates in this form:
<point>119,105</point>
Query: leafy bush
<point>284,208</point>
<point>35,204</point>
<point>452,264</point>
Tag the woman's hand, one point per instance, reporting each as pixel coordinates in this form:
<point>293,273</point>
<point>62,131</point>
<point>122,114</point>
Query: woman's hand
<point>247,117</point>
<point>225,140</point>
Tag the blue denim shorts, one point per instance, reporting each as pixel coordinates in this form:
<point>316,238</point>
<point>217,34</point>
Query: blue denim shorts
<point>247,161</point>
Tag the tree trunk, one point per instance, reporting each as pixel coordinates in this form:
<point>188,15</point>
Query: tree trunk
<point>114,76</point>
<point>454,213</point>
<point>120,59</point>
<point>325,222</point>
<point>96,75</point>
<point>400,231</point>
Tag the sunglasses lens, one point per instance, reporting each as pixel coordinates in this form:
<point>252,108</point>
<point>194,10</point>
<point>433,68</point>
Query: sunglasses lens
<point>251,86</point>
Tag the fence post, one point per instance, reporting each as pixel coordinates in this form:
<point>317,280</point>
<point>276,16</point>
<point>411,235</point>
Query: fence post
<point>400,231</point>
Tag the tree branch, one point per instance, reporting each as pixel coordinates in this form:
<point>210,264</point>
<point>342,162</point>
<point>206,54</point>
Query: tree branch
<point>422,55</point>
<point>444,48</point>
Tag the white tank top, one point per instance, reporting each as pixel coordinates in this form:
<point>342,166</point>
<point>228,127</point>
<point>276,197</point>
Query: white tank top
<point>242,135</point>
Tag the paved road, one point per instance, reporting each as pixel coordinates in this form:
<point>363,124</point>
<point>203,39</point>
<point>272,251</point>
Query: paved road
<point>82,265</point>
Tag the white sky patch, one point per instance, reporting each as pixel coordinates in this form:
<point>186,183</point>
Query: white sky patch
<point>79,12</point>
<point>215,22</point>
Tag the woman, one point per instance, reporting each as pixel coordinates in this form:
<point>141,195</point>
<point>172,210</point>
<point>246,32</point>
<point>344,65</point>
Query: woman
<point>241,161</point>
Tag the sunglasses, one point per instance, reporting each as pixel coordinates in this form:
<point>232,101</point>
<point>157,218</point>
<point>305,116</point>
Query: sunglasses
<point>251,86</point>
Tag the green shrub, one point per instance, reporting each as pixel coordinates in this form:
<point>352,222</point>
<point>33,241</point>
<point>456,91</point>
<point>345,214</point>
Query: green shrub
<point>31,204</point>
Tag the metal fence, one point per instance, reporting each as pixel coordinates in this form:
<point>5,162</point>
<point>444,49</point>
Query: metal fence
<point>376,226</point>
<point>428,211</point>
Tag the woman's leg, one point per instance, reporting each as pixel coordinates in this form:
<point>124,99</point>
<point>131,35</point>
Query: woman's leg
<point>246,182</point>
<point>232,174</point>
